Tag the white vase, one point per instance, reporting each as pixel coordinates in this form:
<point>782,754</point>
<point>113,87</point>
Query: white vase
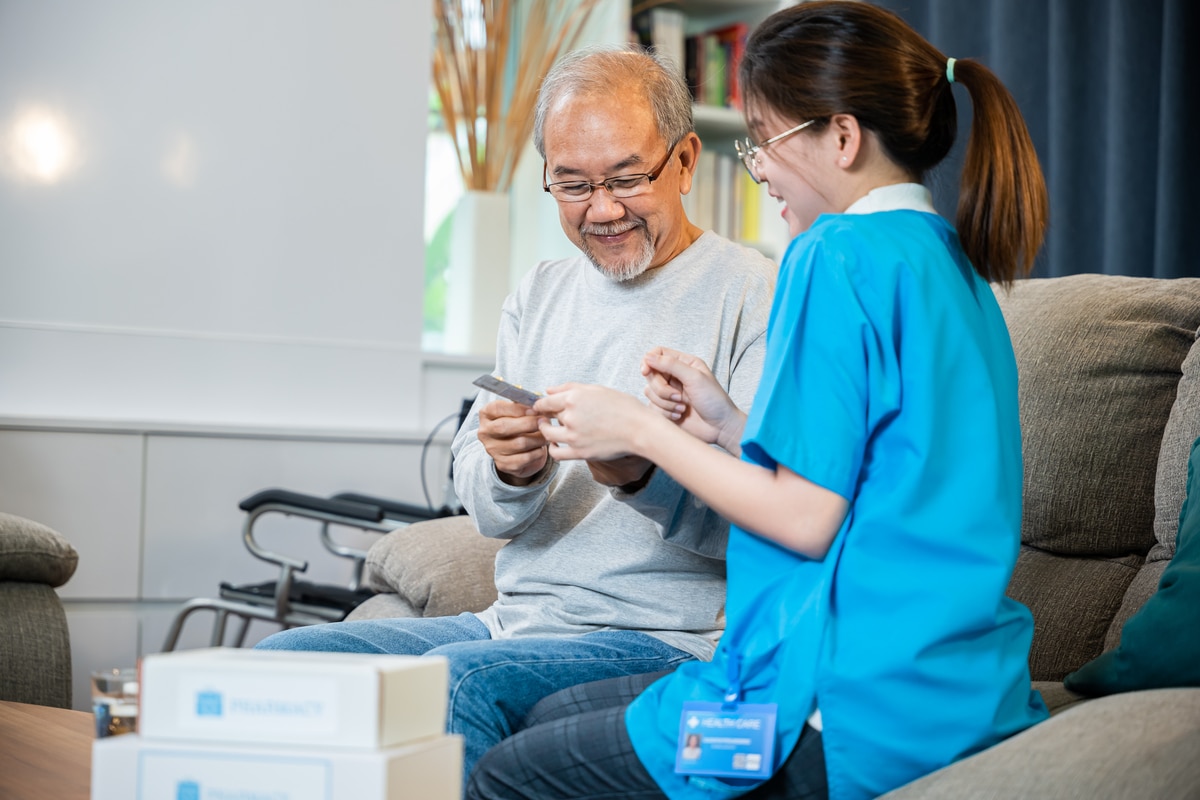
<point>478,272</point>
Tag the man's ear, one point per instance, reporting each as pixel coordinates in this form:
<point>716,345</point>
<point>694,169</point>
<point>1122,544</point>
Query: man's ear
<point>846,137</point>
<point>689,155</point>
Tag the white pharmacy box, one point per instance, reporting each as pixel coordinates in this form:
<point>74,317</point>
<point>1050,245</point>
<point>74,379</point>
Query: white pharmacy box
<point>345,700</point>
<point>130,767</point>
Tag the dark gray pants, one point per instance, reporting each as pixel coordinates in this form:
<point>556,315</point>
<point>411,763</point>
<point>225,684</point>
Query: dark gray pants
<point>573,744</point>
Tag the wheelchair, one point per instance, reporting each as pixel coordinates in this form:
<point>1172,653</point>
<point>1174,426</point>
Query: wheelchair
<point>287,600</point>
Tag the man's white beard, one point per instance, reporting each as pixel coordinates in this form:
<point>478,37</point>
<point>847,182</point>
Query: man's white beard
<point>629,269</point>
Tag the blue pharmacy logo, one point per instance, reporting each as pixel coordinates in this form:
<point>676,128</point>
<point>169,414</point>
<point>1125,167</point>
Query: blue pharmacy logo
<point>187,790</point>
<point>208,704</point>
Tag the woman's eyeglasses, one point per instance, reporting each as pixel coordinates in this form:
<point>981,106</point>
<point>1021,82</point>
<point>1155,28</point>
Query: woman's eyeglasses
<point>748,152</point>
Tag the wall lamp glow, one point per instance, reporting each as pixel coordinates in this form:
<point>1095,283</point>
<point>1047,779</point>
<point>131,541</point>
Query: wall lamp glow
<point>39,147</point>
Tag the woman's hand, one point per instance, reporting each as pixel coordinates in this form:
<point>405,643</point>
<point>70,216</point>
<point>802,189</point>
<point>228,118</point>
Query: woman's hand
<point>683,388</point>
<point>594,422</point>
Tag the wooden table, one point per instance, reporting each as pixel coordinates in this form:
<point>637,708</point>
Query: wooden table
<point>45,753</point>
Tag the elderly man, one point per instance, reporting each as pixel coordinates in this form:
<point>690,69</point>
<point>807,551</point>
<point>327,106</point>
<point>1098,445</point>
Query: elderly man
<point>610,569</point>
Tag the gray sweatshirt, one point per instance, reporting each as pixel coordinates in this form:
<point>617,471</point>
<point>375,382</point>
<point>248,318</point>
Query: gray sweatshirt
<point>581,556</point>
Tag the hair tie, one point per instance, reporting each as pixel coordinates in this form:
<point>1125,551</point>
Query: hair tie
<point>950,69</point>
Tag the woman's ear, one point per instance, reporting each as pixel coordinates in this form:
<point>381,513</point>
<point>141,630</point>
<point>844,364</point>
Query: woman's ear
<point>689,155</point>
<point>846,137</point>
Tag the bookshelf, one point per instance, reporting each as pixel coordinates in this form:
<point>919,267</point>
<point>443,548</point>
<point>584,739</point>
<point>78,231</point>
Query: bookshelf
<point>702,37</point>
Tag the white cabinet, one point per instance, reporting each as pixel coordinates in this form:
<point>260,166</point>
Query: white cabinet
<point>87,486</point>
<point>194,484</point>
<point>153,514</point>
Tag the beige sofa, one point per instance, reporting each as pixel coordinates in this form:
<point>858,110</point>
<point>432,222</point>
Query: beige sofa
<point>1110,406</point>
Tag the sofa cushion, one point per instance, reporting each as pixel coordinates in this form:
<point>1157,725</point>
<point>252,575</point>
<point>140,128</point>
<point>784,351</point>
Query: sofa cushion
<point>1100,360</point>
<point>1141,588</point>
<point>440,568</point>
<point>1124,747</point>
<point>35,646</point>
<point>1159,647</point>
<point>1183,428</point>
<point>1057,697</point>
<point>1073,601</point>
<point>385,605</point>
<point>34,553</point>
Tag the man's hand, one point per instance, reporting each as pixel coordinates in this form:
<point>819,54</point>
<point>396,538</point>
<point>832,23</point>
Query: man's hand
<point>509,433</point>
<point>626,471</point>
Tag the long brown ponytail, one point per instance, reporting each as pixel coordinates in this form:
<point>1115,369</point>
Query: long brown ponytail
<point>828,57</point>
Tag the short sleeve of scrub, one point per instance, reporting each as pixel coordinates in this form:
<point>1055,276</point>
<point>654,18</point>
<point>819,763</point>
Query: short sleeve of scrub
<point>823,369</point>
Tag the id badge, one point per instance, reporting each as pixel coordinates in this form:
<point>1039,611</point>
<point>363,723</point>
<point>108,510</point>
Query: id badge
<point>726,740</point>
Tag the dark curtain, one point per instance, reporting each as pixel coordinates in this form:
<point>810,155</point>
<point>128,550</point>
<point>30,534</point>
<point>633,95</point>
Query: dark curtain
<point>1110,90</point>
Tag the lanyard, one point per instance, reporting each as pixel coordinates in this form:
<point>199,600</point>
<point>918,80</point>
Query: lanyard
<point>733,691</point>
<point>730,739</point>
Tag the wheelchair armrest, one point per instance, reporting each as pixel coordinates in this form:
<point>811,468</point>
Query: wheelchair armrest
<point>394,509</point>
<point>326,510</point>
<point>339,505</point>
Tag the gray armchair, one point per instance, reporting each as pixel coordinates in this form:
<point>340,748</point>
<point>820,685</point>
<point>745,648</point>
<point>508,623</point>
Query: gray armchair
<point>35,647</point>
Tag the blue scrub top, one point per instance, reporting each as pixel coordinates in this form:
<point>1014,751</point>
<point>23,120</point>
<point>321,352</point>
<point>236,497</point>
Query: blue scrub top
<point>890,380</point>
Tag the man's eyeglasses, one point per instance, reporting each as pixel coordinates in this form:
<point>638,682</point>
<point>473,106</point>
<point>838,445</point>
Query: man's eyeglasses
<point>621,186</point>
<point>748,152</point>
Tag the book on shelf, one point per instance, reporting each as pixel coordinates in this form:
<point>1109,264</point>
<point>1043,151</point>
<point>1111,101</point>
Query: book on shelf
<point>712,59</point>
<point>732,40</point>
<point>692,64</point>
<point>723,202</point>
<point>724,199</point>
<point>708,60</point>
<point>661,29</point>
<point>713,72</point>
<point>701,203</point>
<point>751,206</point>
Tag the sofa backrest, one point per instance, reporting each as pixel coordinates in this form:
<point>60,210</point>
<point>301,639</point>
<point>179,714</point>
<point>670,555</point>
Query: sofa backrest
<point>1104,433</point>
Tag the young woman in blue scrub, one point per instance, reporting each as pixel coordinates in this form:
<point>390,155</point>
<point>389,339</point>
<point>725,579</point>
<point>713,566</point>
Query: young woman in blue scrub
<point>876,501</point>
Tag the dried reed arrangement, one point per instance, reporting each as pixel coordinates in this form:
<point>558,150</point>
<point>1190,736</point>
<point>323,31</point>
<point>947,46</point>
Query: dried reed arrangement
<point>489,58</point>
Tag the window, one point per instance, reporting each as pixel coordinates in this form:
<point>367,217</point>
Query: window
<point>443,188</point>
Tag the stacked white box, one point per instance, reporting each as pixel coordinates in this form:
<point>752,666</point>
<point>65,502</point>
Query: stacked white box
<point>324,699</point>
<point>227,722</point>
<point>130,767</point>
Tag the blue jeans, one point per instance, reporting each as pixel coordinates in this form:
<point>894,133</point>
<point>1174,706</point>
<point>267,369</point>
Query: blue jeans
<point>493,682</point>
<point>574,745</point>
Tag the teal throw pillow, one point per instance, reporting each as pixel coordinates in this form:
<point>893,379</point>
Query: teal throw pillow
<point>1159,644</point>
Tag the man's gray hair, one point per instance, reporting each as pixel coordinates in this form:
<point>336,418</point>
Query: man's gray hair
<point>605,68</point>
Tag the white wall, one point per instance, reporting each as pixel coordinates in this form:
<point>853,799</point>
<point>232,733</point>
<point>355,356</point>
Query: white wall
<point>211,269</point>
<point>235,233</point>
